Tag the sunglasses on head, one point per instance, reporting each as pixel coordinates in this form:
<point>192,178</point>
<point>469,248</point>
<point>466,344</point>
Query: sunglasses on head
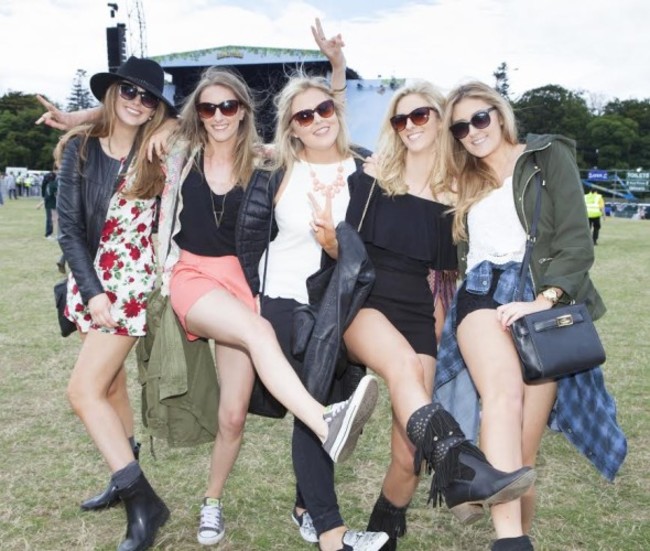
<point>305,117</point>
<point>479,120</point>
<point>419,117</point>
<point>130,91</point>
<point>228,108</point>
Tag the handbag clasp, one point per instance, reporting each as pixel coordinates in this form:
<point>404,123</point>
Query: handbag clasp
<point>564,321</point>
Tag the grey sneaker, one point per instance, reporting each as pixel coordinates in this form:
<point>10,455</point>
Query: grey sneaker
<point>304,522</point>
<point>211,526</point>
<point>364,541</point>
<point>346,419</point>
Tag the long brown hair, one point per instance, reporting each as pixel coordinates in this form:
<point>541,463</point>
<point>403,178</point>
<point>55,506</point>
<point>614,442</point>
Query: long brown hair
<point>192,130</point>
<point>148,177</point>
<point>469,177</point>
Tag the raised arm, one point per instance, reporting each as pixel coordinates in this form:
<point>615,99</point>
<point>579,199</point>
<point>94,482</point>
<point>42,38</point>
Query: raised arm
<point>64,120</point>
<point>332,49</point>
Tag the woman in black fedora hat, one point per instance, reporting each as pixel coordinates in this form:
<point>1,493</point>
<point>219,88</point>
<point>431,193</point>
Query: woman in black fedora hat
<point>106,204</point>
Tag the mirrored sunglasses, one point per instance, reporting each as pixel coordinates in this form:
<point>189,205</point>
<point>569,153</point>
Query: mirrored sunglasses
<point>479,120</point>
<point>129,92</point>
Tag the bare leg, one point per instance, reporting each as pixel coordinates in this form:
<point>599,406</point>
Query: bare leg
<point>494,367</point>
<point>220,316</point>
<point>538,402</point>
<point>372,340</point>
<point>118,397</point>
<point>236,378</point>
<point>99,362</point>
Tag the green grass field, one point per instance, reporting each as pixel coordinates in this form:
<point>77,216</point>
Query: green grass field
<point>48,464</point>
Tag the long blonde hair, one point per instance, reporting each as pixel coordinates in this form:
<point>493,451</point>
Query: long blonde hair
<point>468,176</point>
<point>148,177</point>
<point>192,130</point>
<point>391,151</point>
<point>288,147</point>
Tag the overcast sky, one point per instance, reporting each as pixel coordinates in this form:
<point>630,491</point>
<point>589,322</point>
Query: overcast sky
<point>602,47</point>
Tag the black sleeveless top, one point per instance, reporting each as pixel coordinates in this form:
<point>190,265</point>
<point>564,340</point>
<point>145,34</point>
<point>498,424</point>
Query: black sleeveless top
<point>199,233</point>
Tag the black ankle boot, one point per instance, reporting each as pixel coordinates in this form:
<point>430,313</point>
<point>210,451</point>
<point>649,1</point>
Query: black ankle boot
<point>145,514</point>
<point>522,543</point>
<point>462,474</point>
<point>479,484</point>
<point>388,518</point>
<point>108,498</point>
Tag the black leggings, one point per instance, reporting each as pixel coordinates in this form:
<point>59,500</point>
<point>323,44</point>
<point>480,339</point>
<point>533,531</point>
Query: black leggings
<point>312,466</point>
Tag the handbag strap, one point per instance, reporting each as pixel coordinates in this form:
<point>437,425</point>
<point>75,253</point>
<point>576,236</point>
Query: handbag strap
<point>365,209</point>
<point>268,245</point>
<point>530,238</point>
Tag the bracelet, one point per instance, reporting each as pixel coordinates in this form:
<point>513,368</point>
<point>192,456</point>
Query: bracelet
<point>340,89</point>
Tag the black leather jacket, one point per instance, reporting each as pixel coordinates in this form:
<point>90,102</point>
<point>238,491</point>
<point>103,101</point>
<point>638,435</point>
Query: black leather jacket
<point>85,191</point>
<point>256,224</point>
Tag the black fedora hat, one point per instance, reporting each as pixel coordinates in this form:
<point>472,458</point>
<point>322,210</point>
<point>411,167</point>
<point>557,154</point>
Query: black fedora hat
<point>145,73</point>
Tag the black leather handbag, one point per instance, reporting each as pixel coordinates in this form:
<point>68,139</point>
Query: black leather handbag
<point>557,342</point>
<point>60,292</point>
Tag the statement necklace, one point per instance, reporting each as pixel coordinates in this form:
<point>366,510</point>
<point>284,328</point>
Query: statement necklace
<point>327,190</point>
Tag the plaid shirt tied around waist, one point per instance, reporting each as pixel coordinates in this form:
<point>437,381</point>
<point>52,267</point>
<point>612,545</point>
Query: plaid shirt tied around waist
<point>583,411</point>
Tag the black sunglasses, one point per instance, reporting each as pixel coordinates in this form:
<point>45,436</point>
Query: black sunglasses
<point>305,117</point>
<point>228,108</point>
<point>479,120</point>
<point>419,117</point>
<point>130,91</point>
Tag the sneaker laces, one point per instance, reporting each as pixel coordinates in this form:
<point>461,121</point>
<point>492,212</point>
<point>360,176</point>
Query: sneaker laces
<point>334,409</point>
<point>210,517</point>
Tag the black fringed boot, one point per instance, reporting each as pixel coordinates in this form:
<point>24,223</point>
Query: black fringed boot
<point>108,498</point>
<point>462,474</point>
<point>388,518</point>
<point>522,543</point>
<point>145,514</point>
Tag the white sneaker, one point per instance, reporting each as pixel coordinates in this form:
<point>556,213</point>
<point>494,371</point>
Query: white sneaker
<point>346,419</point>
<point>211,526</point>
<point>306,525</point>
<point>364,541</point>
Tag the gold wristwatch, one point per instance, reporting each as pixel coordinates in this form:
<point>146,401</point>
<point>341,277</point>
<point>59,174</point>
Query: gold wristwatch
<point>552,295</point>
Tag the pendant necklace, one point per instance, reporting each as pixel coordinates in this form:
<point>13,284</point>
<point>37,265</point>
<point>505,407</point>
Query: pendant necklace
<point>327,190</point>
<point>218,216</point>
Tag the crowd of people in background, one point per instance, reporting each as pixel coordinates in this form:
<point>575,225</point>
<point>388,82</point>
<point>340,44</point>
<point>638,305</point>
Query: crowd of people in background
<point>444,199</point>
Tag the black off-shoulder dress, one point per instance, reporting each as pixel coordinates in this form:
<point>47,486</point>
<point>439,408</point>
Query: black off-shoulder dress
<point>406,236</point>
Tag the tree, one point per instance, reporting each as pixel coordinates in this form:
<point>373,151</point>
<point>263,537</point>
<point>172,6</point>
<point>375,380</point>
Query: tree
<point>553,109</point>
<point>614,136</point>
<point>502,85</point>
<point>22,143</point>
<point>80,97</point>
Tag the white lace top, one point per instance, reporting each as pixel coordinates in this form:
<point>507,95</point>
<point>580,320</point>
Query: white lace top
<point>495,232</point>
<point>295,253</point>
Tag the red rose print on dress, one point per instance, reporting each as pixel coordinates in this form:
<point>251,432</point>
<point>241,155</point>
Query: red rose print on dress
<point>108,259</point>
<point>109,228</point>
<point>131,308</point>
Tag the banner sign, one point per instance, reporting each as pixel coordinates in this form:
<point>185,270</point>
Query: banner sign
<point>638,181</point>
<point>597,175</point>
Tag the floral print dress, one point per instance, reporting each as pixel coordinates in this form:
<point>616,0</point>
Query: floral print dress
<point>125,266</point>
